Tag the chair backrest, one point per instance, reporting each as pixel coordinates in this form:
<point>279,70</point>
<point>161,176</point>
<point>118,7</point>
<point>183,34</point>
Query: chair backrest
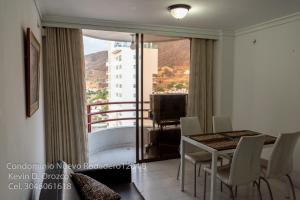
<point>221,124</point>
<point>281,160</point>
<point>190,126</point>
<point>245,165</point>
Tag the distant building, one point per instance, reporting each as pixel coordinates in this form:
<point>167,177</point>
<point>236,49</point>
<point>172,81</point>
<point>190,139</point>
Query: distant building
<point>121,76</point>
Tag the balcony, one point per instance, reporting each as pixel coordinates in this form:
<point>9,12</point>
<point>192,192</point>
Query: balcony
<point>117,143</point>
<point>111,144</point>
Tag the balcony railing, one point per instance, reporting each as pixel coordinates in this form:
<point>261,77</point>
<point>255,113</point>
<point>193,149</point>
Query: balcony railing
<point>90,107</point>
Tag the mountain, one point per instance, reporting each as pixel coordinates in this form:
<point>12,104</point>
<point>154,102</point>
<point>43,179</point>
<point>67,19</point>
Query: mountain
<point>173,66</point>
<point>95,70</point>
<point>174,53</point>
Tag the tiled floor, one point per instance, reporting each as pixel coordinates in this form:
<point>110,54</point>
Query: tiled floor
<point>157,181</point>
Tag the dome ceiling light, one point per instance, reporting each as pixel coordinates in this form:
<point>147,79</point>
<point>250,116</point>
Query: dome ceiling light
<point>179,11</point>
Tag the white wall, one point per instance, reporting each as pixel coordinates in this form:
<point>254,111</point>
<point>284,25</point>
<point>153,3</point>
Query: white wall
<point>223,76</point>
<point>21,138</point>
<point>266,92</point>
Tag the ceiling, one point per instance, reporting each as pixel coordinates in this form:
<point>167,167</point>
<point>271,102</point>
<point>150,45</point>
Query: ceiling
<point>206,14</point>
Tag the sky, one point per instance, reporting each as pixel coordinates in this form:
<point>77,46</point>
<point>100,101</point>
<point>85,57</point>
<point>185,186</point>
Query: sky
<point>92,45</point>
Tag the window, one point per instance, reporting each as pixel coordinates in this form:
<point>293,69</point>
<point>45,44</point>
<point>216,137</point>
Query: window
<point>119,76</point>
<point>134,86</point>
<point>117,44</point>
<point>119,58</point>
<point>119,85</point>
<point>119,94</point>
<point>118,67</point>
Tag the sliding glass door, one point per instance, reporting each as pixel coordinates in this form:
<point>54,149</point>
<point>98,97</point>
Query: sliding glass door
<point>111,95</point>
<point>163,72</point>
<point>125,72</point>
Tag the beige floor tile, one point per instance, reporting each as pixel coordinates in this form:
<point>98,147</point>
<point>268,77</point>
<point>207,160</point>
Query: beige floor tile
<point>157,181</point>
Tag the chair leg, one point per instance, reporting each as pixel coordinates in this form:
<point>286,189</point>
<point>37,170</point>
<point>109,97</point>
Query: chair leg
<point>221,181</point>
<point>253,184</point>
<point>292,186</point>
<point>195,179</point>
<point>221,186</point>
<point>204,192</point>
<point>236,189</point>
<point>230,160</point>
<point>231,192</point>
<point>258,189</point>
<point>269,187</point>
<point>178,170</point>
<point>199,170</point>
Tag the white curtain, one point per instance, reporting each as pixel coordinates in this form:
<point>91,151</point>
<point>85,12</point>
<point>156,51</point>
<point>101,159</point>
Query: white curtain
<point>64,87</point>
<point>200,97</point>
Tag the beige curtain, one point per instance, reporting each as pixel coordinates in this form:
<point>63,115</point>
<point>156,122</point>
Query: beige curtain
<point>200,97</point>
<point>66,137</point>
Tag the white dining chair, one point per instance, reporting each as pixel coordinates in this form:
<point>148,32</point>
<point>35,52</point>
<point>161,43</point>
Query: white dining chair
<point>245,165</point>
<point>221,124</point>
<point>191,126</point>
<point>280,163</point>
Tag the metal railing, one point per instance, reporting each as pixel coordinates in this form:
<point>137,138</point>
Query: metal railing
<point>90,122</point>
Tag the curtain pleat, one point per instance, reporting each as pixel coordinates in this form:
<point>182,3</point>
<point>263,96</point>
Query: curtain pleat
<point>200,97</point>
<point>64,87</point>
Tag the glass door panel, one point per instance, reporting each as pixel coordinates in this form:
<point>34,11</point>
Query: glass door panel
<point>165,63</point>
<point>110,66</point>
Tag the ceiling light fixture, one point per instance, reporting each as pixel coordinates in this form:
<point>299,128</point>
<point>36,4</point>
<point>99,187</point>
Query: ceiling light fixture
<point>179,11</point>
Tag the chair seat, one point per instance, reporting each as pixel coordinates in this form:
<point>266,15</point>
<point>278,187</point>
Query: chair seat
<point>227,156</point>
<point>222,173</point>
<point>196,157</point>
<point>264,163</point>
<point>264,166</point>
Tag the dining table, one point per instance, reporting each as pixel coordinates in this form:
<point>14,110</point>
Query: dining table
<point>216,144</point>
